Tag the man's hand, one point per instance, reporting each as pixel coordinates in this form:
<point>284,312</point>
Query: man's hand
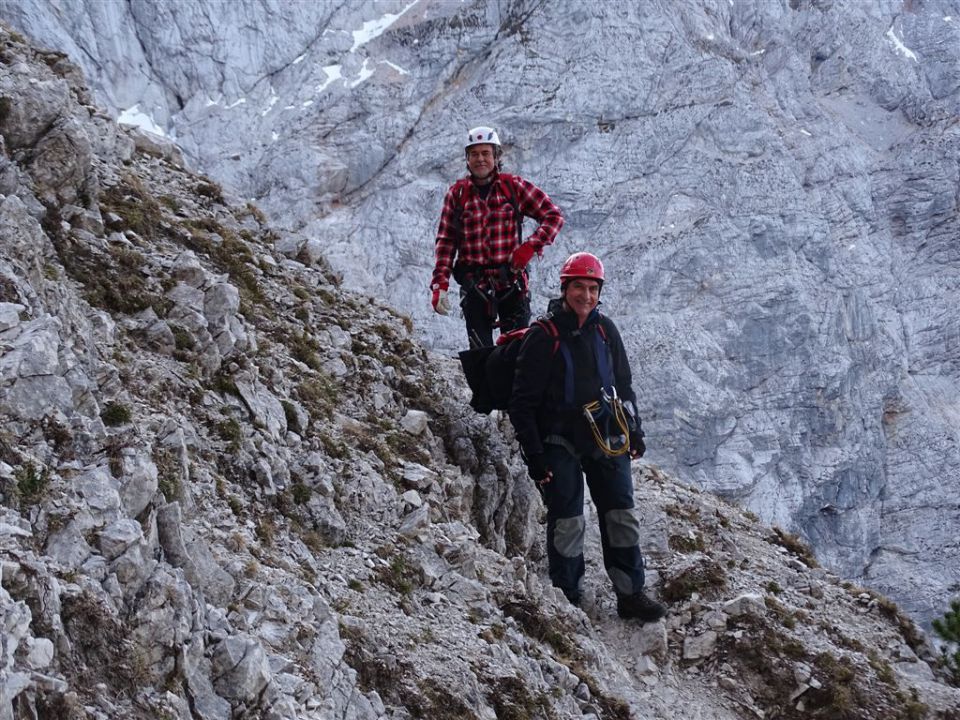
<point>440,302</point>
<point>521,256</point>
<point>538,470</point>
<point>637,447</point>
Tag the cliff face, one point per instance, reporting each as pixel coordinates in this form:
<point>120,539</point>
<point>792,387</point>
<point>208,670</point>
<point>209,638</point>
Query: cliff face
<point>233,489</point>
<point>773,186</point>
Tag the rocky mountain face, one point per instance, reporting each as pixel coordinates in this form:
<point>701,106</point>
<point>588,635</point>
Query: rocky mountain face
<point>231,488</point>
<point>773,187</point>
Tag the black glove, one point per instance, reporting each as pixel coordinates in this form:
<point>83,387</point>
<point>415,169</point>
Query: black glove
<point>537,467</point>
<point>637,447</point>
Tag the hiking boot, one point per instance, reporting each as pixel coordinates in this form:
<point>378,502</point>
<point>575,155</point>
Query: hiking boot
<point>641,607</point>
<point>575,598</point>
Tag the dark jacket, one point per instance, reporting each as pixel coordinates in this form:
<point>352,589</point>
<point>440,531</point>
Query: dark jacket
<point>537,405</point>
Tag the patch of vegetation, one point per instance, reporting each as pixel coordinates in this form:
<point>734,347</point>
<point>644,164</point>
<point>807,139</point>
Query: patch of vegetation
<point>266,529</point>
<point>690,514</point>
<point>223,383</point>
<point>137,209</point>
<point>168,472</point>
<point>407,446</point>
<point>687,543</point>
<point>211,190</point>
<point>257,213</point>
<point>948,628</point>
<point>706,578</point>
<point>333,447</point>
<point>183,339</point>
<point>512,700</point>
<point>230,431</point>
<point>795,545</point>
<point>884,672</point>
<point>304,348</point>
<point>552,631</point>
<point>231,255</point>
<point>170,202</point>
<point>912,635</point>
<point>781,612</point>
<point>115,413</point>
<point>6,105</point>
<point>58,435</point>
<point>99,640</point>
<point>398,574</point>
<point>612,707</point>
<point>111,278</point>
<point>774,588</point>
<point>31,482</point>
<point>301,493</point>
<point>319,395</point>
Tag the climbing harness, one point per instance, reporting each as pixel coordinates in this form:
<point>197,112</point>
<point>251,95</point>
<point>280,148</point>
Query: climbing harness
<point>607,417</point>
<point>606,411</point>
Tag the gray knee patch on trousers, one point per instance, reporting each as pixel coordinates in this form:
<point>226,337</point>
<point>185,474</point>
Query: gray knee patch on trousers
<point>623,528</point>
<point>568,536</point>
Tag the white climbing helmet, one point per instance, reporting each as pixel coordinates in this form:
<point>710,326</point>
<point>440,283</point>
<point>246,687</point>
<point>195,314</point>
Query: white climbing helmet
<point>482,135</point>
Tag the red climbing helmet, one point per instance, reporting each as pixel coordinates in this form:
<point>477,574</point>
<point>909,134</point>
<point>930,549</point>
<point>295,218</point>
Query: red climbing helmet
<point>582,265</point>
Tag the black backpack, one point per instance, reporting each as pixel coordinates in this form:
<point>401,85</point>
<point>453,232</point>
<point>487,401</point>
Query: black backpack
<point>489,370</point>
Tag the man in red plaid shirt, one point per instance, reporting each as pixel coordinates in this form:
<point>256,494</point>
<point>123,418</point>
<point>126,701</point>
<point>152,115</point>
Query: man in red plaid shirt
<point>479,241</point>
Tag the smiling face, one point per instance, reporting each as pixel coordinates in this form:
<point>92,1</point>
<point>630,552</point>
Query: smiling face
<point>481,161</point>
<point>581,296</point>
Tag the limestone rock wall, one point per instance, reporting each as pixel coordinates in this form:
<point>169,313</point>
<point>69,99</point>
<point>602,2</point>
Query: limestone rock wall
<point>231,488</point>
<point>773,186</point>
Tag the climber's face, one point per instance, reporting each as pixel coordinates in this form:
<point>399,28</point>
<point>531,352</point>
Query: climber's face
<point>481,161</point>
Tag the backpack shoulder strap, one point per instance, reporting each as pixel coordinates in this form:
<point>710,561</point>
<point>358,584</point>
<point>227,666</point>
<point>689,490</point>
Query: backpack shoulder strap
<point>603,355</point>
<point>550,328</point>
<point>508,183</point>
<point>460,189</point>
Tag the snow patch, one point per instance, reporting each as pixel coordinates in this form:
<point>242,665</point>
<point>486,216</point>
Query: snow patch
<point>241,101</point>
<point>274,136</point>
<point>948,18</point>
<point>901,48</point>
<point>270,103</point>
<point>365,73</point>
<point>211,102</point>
<point>375,28</point>
<point>395,67</point>
<point>134,116</point>
<point>806,132</point>
<point>334,72</point>
<point>298,59</point>
<point>308,103</point>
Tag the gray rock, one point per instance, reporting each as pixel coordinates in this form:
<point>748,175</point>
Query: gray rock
<point>184,550</point>
<point>414,422</point>
<point>697,647</point>
<point>263,405</point>
<point>746,604</point>
<point>240,669</point>
<point>116,537</point>
<point>10,315</point>
<point>205,703</point>
<point>139,482</point>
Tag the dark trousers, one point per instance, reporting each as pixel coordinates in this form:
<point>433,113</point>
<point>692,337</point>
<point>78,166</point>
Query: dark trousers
<point>611,488</point>
<point>511,307</point>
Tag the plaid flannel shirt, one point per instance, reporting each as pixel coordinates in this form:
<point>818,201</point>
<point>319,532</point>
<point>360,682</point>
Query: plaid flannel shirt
<point>485,232</point>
